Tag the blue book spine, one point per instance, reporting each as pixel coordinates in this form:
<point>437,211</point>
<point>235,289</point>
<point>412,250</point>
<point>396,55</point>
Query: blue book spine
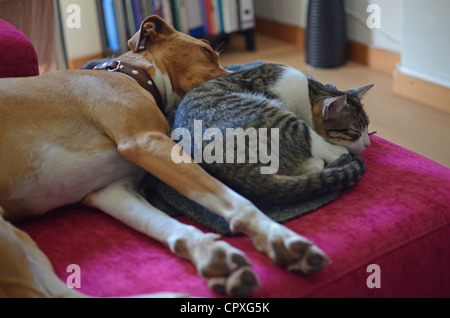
<point>195,19</point>
<point>197,32</point>
<point>205,13</point>
<point>222,27</point>
<point>110,25</point>
<point>137,14</point>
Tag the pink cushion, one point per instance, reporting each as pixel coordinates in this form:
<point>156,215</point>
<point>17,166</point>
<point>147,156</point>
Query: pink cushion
<point>18,58</point>
<point>397,217</point>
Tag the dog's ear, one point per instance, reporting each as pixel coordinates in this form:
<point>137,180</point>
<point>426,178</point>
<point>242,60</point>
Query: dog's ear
<point>153,28</point>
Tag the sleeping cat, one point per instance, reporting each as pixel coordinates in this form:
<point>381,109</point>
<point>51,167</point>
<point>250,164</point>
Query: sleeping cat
<point>310,125</point>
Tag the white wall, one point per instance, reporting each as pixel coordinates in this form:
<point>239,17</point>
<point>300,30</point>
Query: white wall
<point>83,41</point>
<point>388,37</point>
<point>426,47</point>
<point>291,12</point>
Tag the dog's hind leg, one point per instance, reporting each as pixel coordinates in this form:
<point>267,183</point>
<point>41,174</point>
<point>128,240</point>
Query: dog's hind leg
<point>225,268</point>
<point>24,270</point>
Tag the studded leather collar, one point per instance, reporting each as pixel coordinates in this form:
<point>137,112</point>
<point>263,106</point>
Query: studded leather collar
<point>138,74</point>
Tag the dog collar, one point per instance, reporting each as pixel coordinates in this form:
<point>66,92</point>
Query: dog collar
<point>138,74</point>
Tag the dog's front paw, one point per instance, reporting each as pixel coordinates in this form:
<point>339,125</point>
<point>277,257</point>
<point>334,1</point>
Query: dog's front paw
<point>292,251</point>
<point>226,269</point>
<point>239,283</point>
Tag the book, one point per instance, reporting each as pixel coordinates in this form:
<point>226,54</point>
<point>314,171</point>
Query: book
<point>216,17</point>
<point>137,13</point>
<point>121,25</point>
<point>184,17</point>
<point>195,19</point>
<point>121,19</point>
<point>220,9</point>
<point>157,7</point>
<point>146,8</point>
<point>131,23</point>
<point>167,14</point>
<point>246,14</point>
<point>230,16</point>
<point>180,15</point>
<point>207,17</point>
<point>110,25</point>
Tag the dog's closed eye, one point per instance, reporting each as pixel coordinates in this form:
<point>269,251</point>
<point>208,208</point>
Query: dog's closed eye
<point>211,54</point>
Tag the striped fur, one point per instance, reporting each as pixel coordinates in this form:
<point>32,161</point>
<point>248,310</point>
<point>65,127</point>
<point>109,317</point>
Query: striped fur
<point>251,99</point>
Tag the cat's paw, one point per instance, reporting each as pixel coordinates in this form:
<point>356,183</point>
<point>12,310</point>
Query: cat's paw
<point>341,161</point>
<point>355,160</point>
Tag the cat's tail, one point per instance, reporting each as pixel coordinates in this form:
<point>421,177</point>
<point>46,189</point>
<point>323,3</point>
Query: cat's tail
<point>342,174</point>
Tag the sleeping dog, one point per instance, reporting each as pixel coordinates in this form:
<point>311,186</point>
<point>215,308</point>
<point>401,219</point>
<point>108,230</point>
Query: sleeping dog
<point>90,135</point>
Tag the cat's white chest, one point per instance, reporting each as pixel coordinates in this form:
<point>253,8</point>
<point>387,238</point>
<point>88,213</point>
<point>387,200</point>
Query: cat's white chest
<point>292,89</point>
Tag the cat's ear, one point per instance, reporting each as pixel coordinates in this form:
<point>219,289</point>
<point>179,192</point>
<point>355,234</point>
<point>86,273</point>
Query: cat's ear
<point>333,106</point>
<point>360,92</point>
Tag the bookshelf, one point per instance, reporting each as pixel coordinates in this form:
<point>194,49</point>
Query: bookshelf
<point>214,20</point>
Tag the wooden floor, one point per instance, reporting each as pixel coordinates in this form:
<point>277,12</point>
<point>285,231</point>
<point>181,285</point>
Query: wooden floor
<point>414,126</point>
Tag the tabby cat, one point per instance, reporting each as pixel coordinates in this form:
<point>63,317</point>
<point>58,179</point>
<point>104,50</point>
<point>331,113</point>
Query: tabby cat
<point>310,126</point>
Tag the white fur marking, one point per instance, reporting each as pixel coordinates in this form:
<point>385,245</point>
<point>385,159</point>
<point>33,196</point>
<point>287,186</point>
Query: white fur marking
<point>357,146</point>
<point>322,149</point>
<point>62,177</point>
<point>292,89</point>
<point>225,204</point>
<point>164,85</point>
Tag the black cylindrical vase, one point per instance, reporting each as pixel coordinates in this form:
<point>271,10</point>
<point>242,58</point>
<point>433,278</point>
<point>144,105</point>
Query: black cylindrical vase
<point>326,34</point>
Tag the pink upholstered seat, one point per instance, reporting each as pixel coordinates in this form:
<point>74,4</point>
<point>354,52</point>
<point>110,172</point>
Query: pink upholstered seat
<point>397,217</point>
<point>18,57</point>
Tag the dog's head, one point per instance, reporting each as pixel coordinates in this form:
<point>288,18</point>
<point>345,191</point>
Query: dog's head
<point>186,60</point>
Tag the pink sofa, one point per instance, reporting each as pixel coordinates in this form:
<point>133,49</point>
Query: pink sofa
<point>18,57</point>
<point>396,217</point>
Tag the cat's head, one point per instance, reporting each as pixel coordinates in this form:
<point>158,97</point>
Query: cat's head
<point>340,118</point>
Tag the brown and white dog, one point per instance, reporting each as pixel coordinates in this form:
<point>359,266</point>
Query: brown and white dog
<point>89,136</point>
